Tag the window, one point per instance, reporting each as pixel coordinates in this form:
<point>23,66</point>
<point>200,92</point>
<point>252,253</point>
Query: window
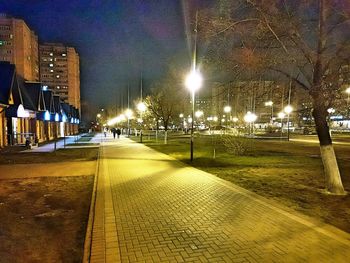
<point>51,54</point>
<point>51,65</point>
<point>58,76</point>
<point>64,55</point>
<point>51,70</point>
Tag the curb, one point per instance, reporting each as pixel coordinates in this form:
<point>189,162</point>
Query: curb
<point>88,234</point>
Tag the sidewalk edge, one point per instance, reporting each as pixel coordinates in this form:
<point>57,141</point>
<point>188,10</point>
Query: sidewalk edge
<point>89,228</point>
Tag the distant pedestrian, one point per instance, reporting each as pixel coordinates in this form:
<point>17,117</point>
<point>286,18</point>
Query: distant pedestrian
<point>118,132</point>
<point>105,130</point>
<point>114,131</point>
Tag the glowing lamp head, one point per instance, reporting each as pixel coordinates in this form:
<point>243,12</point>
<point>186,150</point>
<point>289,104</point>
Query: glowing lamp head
<point>250,117</point>
<point>215,118</point>
<point>281,115</point>
<point>193,81</point>
<point>128,113</point>
<point>198,114</point>
<point>98,115</point>
<point>141,107</point>
<point>347,90</point>
<point>181,115</point>
<point>288,109</point>
<point>269,103</point>
<point>227,109</point>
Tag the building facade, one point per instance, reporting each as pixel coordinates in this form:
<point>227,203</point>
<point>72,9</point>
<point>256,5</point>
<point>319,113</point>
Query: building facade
<point>60,71</point>
<point>19,46</point>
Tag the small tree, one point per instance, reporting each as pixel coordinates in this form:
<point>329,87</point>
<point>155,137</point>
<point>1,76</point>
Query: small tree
<point>164,102</point>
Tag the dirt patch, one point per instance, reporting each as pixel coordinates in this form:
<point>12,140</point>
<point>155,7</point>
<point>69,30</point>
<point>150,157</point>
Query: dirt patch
<point>44,219</point>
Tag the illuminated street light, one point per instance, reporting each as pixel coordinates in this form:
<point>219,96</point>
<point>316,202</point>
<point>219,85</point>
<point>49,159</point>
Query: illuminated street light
<point>250,118</point>
<point>141,108</point>
<point>98,115</point>
<point>227,109</point>
<point>128,114</point>
<point>288,109</point>
<point>270,104</point>
<point>199,113</point>
<point>193,83</point>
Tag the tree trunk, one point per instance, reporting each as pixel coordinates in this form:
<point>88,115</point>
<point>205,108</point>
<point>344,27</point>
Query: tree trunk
<point>331,170</point>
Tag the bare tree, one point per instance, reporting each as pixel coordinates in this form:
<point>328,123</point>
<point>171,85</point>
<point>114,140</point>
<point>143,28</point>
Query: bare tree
<point>165,100</point>
<point>307,42</point>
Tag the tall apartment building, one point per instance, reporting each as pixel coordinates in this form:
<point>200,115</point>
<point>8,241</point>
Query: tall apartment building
<point>60,71</point>
<point>19,46</point>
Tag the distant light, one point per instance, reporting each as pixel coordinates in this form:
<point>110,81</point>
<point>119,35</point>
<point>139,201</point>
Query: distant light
<point>193,81</point>
<point>45,87</point>
<point>288,109</point>
<point>269,103</point>
<point>347,90</point>
<point>128,113</point>
<point>331,110</point>
<point>98,115</point>
<point>235,119</point>
<point>199,114</point>
<point>64,118</point>
<point>181,115</point>
<point>57,117</point>
<point>64,55</point>
<point>47,116</point>
<point>21,112</point>
<point>250,117</point>
<point>51,65</point>
<point>141,107</point>
<point>215,118</point>
<point>227,109</point>
<point>281,115</point>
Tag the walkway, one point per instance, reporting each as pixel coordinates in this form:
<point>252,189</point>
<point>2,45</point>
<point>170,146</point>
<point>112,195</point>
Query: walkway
<point>50,147</point>
<point>152,208</point>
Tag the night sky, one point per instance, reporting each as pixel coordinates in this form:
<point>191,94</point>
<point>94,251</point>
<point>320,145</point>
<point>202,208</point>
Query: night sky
<point>115,39</point>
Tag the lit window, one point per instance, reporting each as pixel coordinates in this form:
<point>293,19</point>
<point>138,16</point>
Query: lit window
<point>58,76</point>
<point>64,55</point>
<point>51,70</point>
<point>50,59</point>
<point>58,87</point>
<point>51,65</point>
<point>51,54</point>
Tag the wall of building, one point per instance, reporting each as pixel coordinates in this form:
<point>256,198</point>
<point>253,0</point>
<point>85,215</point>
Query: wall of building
<point>20,47</point>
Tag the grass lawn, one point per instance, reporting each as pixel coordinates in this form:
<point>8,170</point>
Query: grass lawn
<point>43,219</point>
<point>288,172</point>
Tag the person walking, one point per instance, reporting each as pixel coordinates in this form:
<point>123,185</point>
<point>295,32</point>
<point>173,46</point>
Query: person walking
<point>118,132</point>
<point>114,131</point>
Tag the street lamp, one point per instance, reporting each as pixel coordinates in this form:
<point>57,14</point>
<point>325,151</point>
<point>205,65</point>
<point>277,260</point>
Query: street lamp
<point>193,83</point>
<point>288,109</point>
<point>128,114</point>
<point>250,118</point>
<point>281,115</point>
<point>141,108</point>
<point>227,109</point>
<point>270,104</point>
<point>348,100</point>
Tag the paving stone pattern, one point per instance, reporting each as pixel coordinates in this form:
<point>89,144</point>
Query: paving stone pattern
<point>167,212</point>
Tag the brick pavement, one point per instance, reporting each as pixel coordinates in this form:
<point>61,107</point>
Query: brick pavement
<point>151,208</point>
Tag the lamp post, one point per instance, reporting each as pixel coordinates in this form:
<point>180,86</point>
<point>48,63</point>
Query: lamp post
<point>227,110</point>
<point>348,100</point>
<point>193,83</point>
<point>141,108</point>
<point>250,118</point>
<point>270,104</point>
<point>128,114</point>
<point>281,115</point>
<point>288,109</point>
